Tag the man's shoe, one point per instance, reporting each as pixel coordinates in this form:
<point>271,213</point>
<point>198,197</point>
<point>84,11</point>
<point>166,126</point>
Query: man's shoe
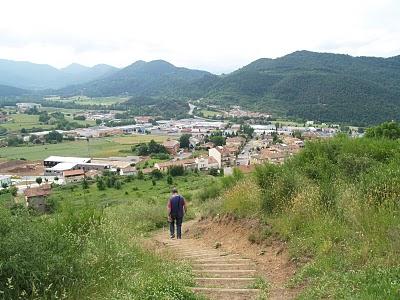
<point>172,237</point>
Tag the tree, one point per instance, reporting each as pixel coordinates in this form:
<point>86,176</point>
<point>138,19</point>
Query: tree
<point>176,171</point>
<point>218,140</point>
<point>44,117</point>
<point>275,138</point>
<point>140,175</point>
<point>80,118</point>
<point>39,180</point>
<point>3,131</point>
<point>154,147</point>
<point>85,184</point>
<point>170,180</point>
<point>100,184</point>
<point>297,134</point>
<point>110,180</point>
<point>247,130</point>
<point>184,140</point>
<point>117,184</point>
<point>389,130</point>
<point>143,150</point>
<point>98,121</point>
<point>13,191</point>
<point>54,136</point>
<point>13,141</point>
<point>4,185</point>
<point>156,174</point>
<point>213,172</point>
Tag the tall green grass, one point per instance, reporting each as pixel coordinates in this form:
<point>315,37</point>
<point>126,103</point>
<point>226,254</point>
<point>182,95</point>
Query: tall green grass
<point>337,204</point>
<point>90,247</point>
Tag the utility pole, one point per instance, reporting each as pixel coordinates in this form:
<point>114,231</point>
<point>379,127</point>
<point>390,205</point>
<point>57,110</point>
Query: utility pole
<point>88,147</point>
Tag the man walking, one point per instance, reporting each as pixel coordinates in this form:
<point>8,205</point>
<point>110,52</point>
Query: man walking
<point>176,210</point>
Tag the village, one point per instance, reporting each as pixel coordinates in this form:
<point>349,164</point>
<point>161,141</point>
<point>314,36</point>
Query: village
<point>241,146</point>
<point>216,146</point>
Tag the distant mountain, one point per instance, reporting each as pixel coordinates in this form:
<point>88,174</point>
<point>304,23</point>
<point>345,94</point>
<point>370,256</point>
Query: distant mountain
<point>27,75</point>
<point>154,78</point>
<point>6,90</point>
<point>74,68</point>
<point>302,85</point>
<point>318,86</point>
<point>82,74</point>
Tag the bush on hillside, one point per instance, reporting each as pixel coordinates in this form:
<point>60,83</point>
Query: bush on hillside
<point>176,171</point>
<point>337,205</point>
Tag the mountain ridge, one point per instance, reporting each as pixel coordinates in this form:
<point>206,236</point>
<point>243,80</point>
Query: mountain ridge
<point>33,76</point>
<point>151,78</point>
<point>302,85</point>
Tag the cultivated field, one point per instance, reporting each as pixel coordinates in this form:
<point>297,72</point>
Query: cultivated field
<point>101,147</point>
<point>210,113</point>
<point>19,121</point>
<point>93,101</point>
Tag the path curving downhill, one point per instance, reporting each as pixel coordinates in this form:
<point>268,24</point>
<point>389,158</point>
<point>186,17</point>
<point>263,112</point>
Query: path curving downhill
<point>219,274</point>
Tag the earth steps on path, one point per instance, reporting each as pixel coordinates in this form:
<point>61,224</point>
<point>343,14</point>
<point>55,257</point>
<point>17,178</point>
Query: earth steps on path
<point>219,275</point>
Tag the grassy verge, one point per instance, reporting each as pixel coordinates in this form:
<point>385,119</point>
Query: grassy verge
<point>89,248</point>
<point>337,206</point>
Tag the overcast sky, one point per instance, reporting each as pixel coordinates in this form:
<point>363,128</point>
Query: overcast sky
<point>214,35</point>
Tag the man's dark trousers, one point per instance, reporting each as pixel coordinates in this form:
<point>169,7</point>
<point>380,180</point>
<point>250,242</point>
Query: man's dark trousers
<point>178,222</point>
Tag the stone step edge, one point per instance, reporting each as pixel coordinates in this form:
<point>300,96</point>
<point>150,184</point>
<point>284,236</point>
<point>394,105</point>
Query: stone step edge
<point>225,278</point>
<point>222,271</point>
<point>227,290</point>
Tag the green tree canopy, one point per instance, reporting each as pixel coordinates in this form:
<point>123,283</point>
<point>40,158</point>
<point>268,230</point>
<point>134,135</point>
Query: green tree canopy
<point>389,130</point>
<point>184,140</point>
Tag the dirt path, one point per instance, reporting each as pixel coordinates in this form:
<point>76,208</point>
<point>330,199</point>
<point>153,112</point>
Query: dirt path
<point>220,275</point>
<point>226,264</point>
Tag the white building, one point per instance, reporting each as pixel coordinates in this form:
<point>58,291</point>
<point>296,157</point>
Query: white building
<point>5,180</point>
<point>206,163</point>
<point>60,168</point>
<point>23,107</point>
<point>51,161</point>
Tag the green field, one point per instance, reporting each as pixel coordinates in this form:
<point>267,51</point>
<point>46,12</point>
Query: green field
<point>101,147</point>
<point>19,121</point>
<point>210,113</point>
<point>82,100</point>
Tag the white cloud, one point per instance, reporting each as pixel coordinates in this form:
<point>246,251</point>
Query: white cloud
<point>214,35</point>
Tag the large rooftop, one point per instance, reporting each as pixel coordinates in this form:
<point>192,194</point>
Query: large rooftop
<point>66,159</point>
<point>64,166</point>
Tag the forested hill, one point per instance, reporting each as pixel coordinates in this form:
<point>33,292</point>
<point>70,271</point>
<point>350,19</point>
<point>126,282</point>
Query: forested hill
<point>155,78</point>
<point>322,86</point>
<point>305,85</point>
<point>6,90</point>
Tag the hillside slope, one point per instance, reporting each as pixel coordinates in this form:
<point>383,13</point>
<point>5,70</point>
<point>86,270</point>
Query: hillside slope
<point>322,86</point>
<point>303,85</point>
<point>6,90</point>
<point>154,78</point>
<point>33,76</point>
<point>334,207</point>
